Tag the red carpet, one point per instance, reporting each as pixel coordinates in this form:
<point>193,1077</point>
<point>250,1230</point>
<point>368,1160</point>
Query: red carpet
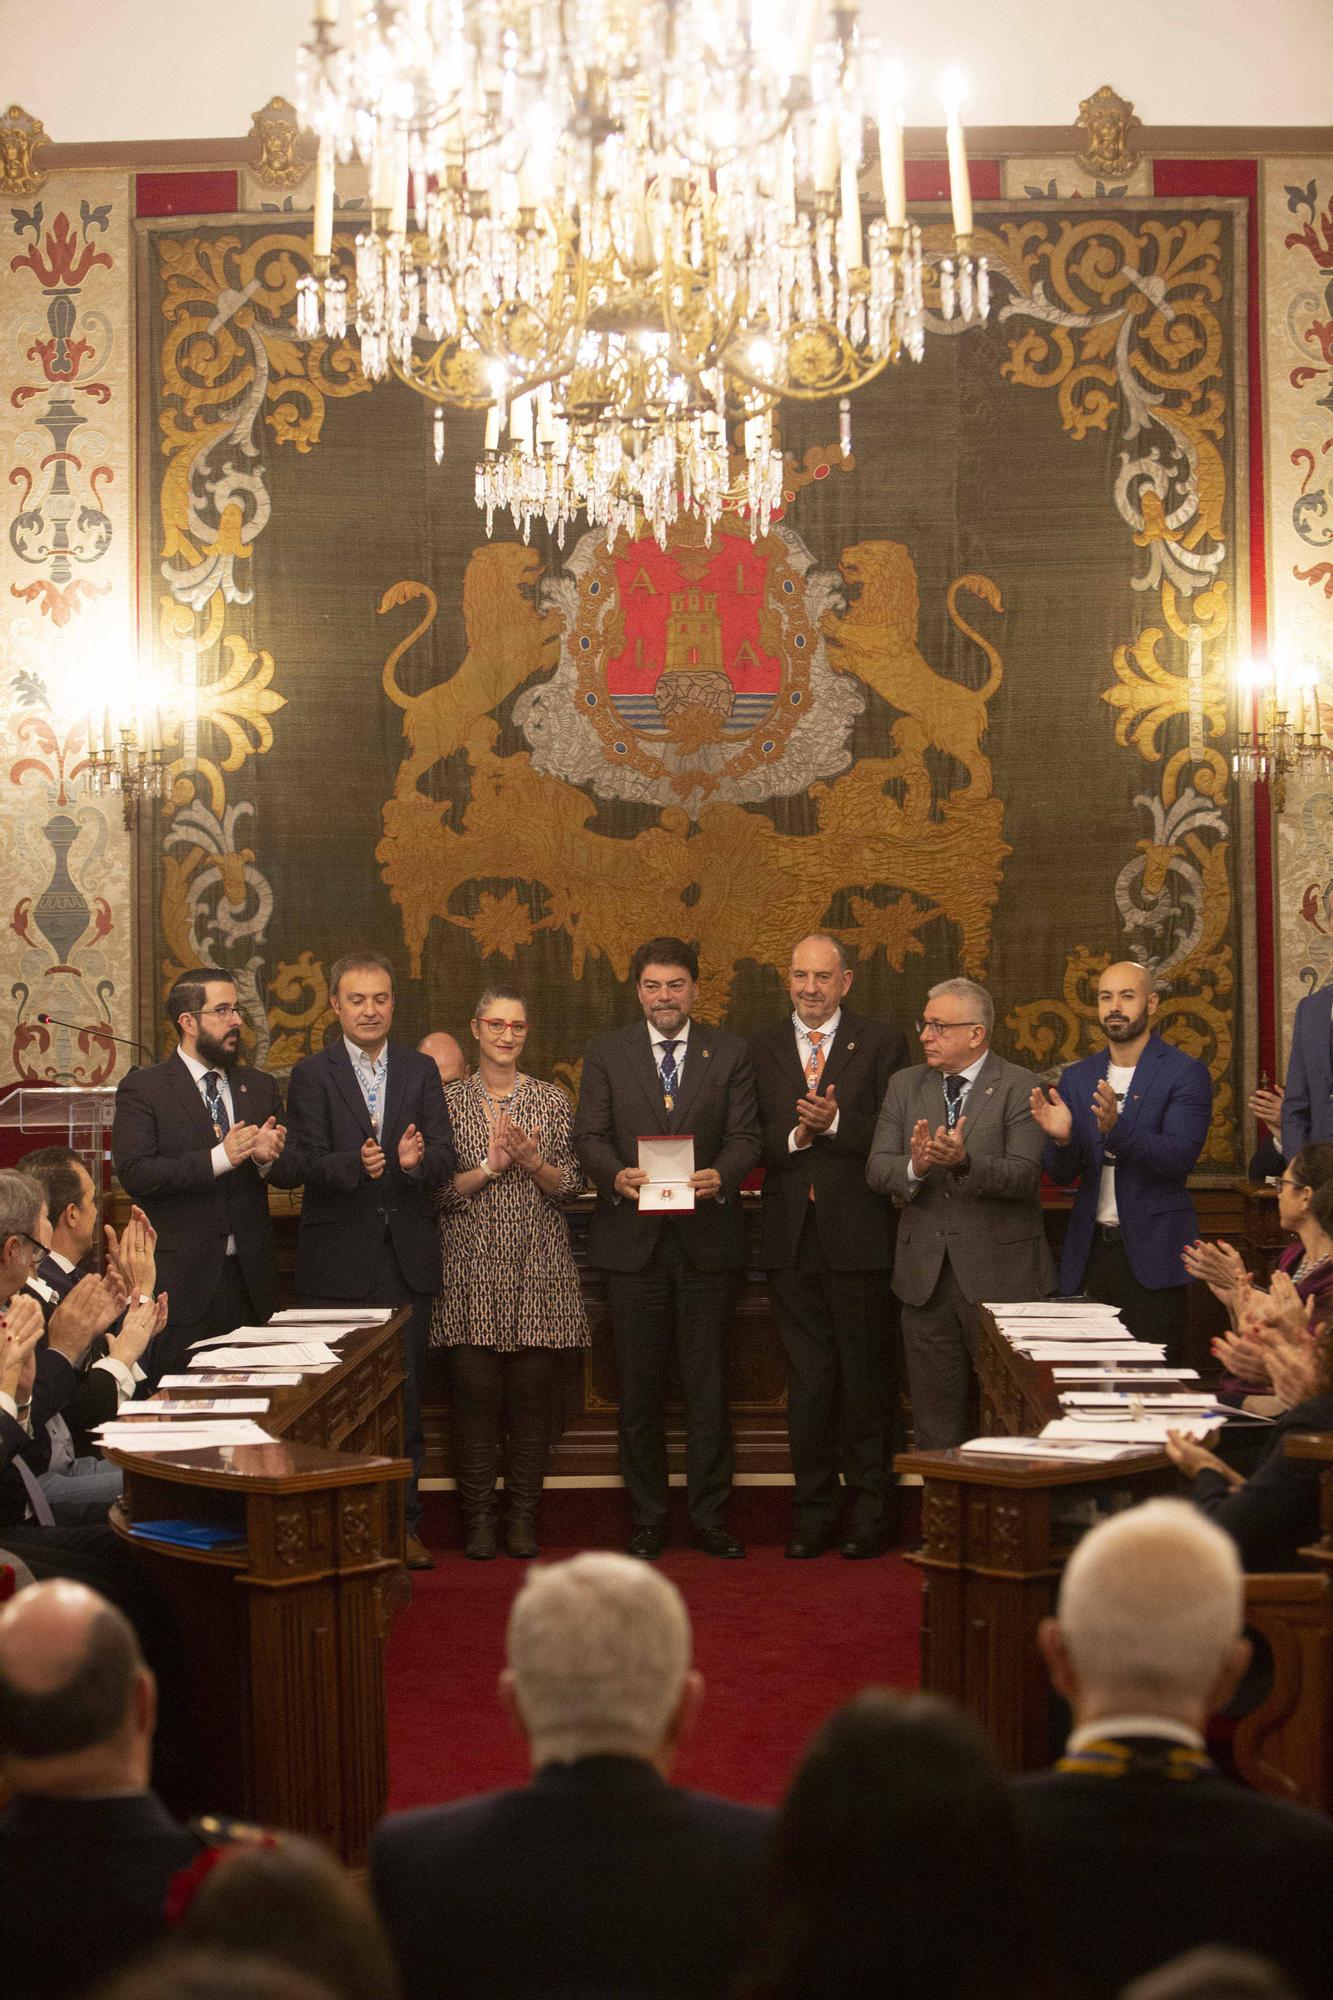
<point>780,1645</point>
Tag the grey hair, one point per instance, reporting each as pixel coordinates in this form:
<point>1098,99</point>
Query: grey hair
<point>599,1648</point>
<point>22,1199</point>
<point>976,997</point>
<point>1151,1604</point>
<point>825,937</point>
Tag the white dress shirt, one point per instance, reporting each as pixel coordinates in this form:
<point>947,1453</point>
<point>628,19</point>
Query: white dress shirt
<point>1168,1727</point>
<point>804,1050</point>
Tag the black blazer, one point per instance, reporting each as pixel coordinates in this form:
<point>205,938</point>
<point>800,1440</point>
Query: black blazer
<point>856,1227</point>
<point>86,1396</point>
<point>598,1878</point>
<point>620,1101</point>
<point>345,1215</point>
<point>83,1883</point>
<point>1275,1513</point>
<point>162,1141</point>
<point>1130,1871</point>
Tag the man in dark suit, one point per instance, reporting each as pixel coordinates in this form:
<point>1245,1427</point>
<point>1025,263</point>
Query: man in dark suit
<point>1129,1125</point>
<point>671,1279</point>
<point>371,1138</point>
<point>1138,1848</point>
<point>87,1851</point>
<point>1307,1101</point>
<point>957,1149</point>
<point>827,1243</point>
<point>195,1141</point>
<point>599,1878</point>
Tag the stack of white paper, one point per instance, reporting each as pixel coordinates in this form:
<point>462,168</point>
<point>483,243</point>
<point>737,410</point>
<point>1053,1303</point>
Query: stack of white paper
<point>191,1406</point>
<point>229,1378</point>
<point>1127,1430</point>
<point>276,1336</point>
<point>183,1437</point>
<point>1118,1350</point>
<point>1088,1452</point>
<point>309,1356</point>
<point>346,1315</point>
<point>1105,1372</point>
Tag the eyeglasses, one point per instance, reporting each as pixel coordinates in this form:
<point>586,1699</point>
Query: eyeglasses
<point>232,1013</point>
<point>1285,1180</point>
<point>944,1027</point>
<point>498,1027</point>
<point>40,1248</point>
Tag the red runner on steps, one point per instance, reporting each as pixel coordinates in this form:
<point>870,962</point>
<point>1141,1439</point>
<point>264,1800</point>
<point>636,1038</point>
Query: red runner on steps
<point>780,1645</point>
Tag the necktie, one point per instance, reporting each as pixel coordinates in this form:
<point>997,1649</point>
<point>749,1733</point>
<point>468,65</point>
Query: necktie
<point>217,1110</point>
<point>669,1074</point>
<point>953,1100</point>
<point>814,1069</point>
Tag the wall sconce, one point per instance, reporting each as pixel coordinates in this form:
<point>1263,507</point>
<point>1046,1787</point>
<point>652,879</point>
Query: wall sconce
<point>1286,733</point>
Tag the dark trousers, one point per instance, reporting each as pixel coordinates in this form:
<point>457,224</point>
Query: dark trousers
<point>940,1341</point>
<point>230,1306</point>
<point>1149,1314</point>
<point>670,1306</point>
<point>392,1289</point>
<point>837,1335</point>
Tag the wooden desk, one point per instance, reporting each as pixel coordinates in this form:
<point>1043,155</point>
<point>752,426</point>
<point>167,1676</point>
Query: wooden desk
<point>284,1627</point>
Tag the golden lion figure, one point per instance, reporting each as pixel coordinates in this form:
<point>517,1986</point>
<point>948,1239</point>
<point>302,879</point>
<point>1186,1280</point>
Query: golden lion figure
<point>878,635</point>
<point>508,640</point>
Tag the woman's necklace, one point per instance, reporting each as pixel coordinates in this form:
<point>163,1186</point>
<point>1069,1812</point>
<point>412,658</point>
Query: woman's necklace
<point>509,1096</point>
<point>1308,1264</point>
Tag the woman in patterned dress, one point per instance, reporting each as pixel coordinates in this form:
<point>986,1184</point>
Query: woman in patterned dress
<point>510,1298</point>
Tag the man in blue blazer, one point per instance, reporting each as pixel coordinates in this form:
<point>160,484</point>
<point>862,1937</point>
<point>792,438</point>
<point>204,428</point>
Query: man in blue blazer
<point>1307,1102</point>
<point>1128,1125</point>
<point>368,1125</point>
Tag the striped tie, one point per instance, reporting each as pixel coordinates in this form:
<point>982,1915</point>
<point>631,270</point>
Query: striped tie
<point>217,1110</point>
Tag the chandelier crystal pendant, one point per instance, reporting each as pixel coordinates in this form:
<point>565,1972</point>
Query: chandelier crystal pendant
<point>627,229</point>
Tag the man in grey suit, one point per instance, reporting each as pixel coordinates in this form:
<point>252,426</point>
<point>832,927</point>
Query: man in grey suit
<point>958,1149</point>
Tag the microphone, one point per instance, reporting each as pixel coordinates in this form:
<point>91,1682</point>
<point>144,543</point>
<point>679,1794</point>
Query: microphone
<point>97,1028</point>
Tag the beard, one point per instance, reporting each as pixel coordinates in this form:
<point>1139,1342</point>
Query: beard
<point>221,1051</point>
<point>1126,1031</point>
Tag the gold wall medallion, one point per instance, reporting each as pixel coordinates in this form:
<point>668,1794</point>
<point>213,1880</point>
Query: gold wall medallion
<point>1106,121</point>
<point>20,136</point>
<point>285,153</point>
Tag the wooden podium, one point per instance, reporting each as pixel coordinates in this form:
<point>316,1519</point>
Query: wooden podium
<point>285,1623</point>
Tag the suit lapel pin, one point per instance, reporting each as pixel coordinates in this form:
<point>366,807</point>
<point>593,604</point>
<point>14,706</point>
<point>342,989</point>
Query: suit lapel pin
<point>850,1047</point>
<point>705,1053</point>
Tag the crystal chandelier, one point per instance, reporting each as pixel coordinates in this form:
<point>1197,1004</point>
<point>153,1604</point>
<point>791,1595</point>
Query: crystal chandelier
<point>126,757</point>
<point>627,229</point>
<point>1286,733</point>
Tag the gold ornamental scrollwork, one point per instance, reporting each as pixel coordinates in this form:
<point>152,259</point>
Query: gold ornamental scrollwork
<point>20,137</point>
<point>284,153</point>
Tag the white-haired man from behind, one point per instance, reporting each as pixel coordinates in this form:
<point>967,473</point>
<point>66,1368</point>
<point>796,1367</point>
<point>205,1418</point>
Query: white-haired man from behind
<point>599,1876</point>
<point>1139,1848</point>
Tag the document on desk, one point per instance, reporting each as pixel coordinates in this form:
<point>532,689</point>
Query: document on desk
<point>1052,1309</point>
<point>1154,1403</point>
<point>1127,1429</point>
<point>157,1408</point>
<point>1118,1350</point>
<point>231,1378</point>
<point>275,1336</point>
<point>1107,1372</point>
<point>352,1315</point>
<point>668,1161</point>
<point>307,1356</point>
<point>183,1437</point>
<point>1092,1452</point>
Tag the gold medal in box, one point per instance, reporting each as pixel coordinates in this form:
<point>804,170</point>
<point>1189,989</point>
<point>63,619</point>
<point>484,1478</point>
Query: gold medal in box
<point>668,1161</point>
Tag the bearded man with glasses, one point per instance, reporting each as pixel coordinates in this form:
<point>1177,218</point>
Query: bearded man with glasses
<point>195,1141</point>
<point>958,1149</point>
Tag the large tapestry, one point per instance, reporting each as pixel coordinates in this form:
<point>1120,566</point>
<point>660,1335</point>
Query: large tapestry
<point>964,704</point>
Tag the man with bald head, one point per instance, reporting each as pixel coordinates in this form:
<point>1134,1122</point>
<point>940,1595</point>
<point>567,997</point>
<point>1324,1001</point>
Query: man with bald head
<point>446,1054</point>
<point>87,1852</point>
<point>1128,1126</point>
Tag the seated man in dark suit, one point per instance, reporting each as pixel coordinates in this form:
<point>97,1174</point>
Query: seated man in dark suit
<point>87,1852</point>
<point>598,1878</point>
<point>1138,1847</point>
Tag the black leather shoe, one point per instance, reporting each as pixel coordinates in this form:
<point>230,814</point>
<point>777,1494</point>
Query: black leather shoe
<point>647,1543</point>
<point>717,1542</point>
<point>860,1548</point>
<point>802,1546</point>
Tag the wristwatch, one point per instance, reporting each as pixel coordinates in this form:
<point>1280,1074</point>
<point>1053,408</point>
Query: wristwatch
<point>491,1173</point>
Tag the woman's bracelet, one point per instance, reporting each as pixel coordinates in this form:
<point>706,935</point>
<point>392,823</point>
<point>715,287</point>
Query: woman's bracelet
<point>491,1173</point>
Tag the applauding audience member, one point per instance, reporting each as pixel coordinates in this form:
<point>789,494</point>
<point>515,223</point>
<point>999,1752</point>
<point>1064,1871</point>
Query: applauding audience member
<point>1274,1513</point>
<point>86,1850</point>
<point>893,1867</point>
<point>1265,1107</point>
<point>1139,1847</point>
<point>509,1300</point>
<point>599,1877</point>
